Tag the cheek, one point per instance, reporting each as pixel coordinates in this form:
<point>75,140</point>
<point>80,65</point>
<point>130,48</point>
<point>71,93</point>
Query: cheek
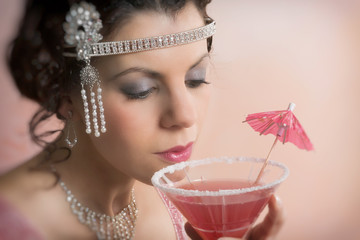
<point>203,99</point>
<point>129,125</point>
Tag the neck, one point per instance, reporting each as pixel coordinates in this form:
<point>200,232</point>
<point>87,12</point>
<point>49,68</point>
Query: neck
<point>94,182</point>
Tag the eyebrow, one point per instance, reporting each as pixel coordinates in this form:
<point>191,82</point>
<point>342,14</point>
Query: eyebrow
<point>152,73</point>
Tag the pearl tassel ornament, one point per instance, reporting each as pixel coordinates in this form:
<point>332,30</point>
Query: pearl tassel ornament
<point>89,78</point>
<point>101,109</point>
<point>86,110</point>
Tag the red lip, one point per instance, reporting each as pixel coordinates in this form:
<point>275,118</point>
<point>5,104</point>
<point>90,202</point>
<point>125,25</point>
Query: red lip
<point>177,154</point>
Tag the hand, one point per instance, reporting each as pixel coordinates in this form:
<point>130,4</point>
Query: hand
<point>272,223</point>
<point>266,230</point>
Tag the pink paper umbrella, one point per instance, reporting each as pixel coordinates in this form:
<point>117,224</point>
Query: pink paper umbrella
<point>284,125</point>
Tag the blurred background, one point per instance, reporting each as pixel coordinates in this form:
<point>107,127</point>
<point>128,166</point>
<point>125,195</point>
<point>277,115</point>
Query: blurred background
<point>266,54</point>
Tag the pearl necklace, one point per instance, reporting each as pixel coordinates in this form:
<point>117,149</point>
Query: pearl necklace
<point>120,226</point>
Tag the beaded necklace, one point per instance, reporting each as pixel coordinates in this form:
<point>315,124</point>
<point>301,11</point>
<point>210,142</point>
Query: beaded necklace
<point>120,226</point>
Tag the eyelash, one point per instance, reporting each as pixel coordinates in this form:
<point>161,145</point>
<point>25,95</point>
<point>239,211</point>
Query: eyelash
<point>145,94</point>
<point>195,83</point>
<point>140,95</point>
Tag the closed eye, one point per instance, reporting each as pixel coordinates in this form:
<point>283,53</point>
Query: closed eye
<point>195,83</point>
<point>140,95</point>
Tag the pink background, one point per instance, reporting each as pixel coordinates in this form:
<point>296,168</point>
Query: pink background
<point>267,54</point>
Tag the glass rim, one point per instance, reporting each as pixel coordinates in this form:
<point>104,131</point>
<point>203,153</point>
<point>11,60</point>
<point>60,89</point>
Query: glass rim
<point>224,192</point>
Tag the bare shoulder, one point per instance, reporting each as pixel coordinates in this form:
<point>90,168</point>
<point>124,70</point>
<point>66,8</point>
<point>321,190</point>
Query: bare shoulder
<point>32,194</point>
<point>24,183</point>
<point>37,198</point>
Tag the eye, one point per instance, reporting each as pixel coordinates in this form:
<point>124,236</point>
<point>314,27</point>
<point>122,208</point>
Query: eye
<point>139,95</point>
<point>195,83</point>
<point>137,89</point>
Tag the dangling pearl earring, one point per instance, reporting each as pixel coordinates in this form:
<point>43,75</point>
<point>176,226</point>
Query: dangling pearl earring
<point>90,77</point>
<point>70,126</point>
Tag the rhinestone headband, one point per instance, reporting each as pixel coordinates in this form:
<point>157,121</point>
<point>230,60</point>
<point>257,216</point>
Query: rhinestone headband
<point>151,43</point>
<point>86,51</point>
<point>82,28</point>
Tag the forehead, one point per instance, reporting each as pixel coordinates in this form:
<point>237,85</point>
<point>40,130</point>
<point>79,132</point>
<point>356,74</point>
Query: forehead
<point>150,24</point>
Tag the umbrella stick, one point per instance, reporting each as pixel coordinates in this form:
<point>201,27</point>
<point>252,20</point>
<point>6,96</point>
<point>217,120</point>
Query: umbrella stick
<point>188,178</point>
<point>266,162</point>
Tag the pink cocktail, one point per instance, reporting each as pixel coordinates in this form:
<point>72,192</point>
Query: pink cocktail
<point>218,196</point>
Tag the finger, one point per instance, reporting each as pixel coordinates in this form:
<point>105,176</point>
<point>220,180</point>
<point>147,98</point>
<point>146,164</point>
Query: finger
<point>272,222</point>
<point>190,231</point>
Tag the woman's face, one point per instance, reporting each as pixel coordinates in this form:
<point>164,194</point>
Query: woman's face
<point>153,100</point>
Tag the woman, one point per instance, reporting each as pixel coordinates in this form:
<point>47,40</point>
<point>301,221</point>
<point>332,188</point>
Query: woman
<point>130,108</point>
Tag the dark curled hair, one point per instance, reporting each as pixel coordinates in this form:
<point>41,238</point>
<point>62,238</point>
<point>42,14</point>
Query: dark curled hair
<point>36,60</point>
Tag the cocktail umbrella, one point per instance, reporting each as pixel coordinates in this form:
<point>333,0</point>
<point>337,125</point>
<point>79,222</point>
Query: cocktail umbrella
<point>284,125</point>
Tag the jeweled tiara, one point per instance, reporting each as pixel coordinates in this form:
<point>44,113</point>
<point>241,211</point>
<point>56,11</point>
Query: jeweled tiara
<point>82,28</point>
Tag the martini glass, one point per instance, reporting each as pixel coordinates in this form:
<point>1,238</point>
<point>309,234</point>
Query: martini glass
<point>219,196</point>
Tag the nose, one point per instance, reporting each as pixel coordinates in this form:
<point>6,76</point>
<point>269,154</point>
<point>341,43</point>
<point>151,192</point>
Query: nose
<point>180,110</point>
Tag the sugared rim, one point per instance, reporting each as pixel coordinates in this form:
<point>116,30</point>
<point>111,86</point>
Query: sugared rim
<point>171,169</point>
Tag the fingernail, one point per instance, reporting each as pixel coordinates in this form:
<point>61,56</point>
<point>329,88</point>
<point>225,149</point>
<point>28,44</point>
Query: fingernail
<point>278,200</point>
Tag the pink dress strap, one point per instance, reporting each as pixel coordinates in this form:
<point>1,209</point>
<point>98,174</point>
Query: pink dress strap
<point>14,226</point>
